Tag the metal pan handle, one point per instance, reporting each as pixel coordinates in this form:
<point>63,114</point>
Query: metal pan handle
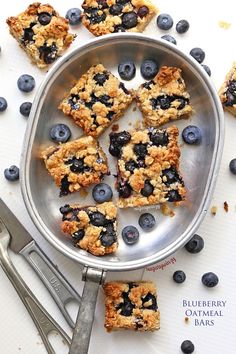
<point>82,332</point>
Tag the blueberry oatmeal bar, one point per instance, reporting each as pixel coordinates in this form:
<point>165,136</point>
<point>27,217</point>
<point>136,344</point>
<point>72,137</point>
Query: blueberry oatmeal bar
<point>76,164</point>
<point>227,91</point>
<point>164,98</point>
<point>96,101</point>
<point>148,166</point>
<point>108,16</point>
<point>92,228</point>
<point>131,306</point>
<point>41,32</point>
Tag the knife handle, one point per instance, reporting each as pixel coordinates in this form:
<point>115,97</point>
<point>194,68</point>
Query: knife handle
<point>60,289</point>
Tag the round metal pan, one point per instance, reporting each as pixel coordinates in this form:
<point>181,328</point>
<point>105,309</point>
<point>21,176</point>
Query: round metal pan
<point>199,164</point>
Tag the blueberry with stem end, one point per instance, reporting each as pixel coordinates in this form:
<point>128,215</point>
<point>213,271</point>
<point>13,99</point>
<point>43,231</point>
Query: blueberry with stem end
<point>195,245</point>
<point>102,193</point>
<point>147,221</point>
<point>26,83</point>
<point>182,26</point>
<point>129,19</point>
<point>192,135</point>
<point>187,347</point>
<point>74,16</point>
<point>127,70</point>
<point>164,22</point>
<point>25,109</point>
<point>12,173</point>
<point>149,68</point>
<point>130,234</point>
<point>44,18</point>
<point>60,133</point>
<point>179,276</point>
<point>210,279</point>
<point>3,104</point>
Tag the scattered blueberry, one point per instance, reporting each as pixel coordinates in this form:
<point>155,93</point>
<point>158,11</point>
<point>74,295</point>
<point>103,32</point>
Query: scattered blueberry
<point>207,69</point>
<point>164,22</point>
<point>187,347</point>
<point>3,104</point>
<point>179,276</point>
<point>210,279</point>
<point>129,19</point>
<point>44,18</point>
<point>232,166</point>
<point>169,38</point>
<point>146,221</point>
<point>149,69</point>
<point>191,134</point>
<point>127,70</point>
<point>26,83</point>
<point>130,234</point>
<point>60,133</point>
<point>182,26</point>
<point>195,245</point>
<point>25,108</point>
<point>198,54</point>
<point>12,173</point>
<point>74,16</point>
<point>102,193</point>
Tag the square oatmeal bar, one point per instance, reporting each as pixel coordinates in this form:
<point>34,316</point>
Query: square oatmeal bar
<point>96,101</point>
<point>92,228</point>
<point>76,164</point>
<point>131,305</point>
<point>164,98</point>
<point>41,32</point>
<point>108,16</point>
<point>227,91</point>
<point>148,166</point>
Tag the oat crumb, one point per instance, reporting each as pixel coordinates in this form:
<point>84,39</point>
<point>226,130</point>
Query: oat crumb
<point>226,207</point>
<point>224,24</point>
<point>166,210</point>
<point>115,127</point>
<point>213,210</point>
<point>134,109</point>
<point>186,319</point>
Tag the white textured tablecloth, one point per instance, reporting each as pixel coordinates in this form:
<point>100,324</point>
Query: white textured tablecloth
<point>212,332</point>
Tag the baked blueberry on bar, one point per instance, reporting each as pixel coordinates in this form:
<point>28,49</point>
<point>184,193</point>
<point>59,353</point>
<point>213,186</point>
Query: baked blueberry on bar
<point>108,16</point>
<point>164,98</point>
<point>227,91</point>
<point>92,228</point>
<point>76,164</point>
<point>41,32</point>
<point>96,101</point>
<point>131,306</point>
<point>148,166</point>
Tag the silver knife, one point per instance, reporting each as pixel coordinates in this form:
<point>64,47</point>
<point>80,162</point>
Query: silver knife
<point>22,243</point>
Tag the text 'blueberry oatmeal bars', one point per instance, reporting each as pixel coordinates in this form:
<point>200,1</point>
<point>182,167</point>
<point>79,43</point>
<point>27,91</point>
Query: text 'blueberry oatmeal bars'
<point>92,228</point>
<point>96,101</point>
<point>41,32</point>
<point>164,98</point>
<point>227,91</point>
<point>148,166</point>
<point>108,16</point>
<point>131,305</point>
<point>76,164</point>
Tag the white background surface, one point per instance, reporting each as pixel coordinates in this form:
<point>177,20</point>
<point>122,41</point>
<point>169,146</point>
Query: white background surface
<point>17,332</point>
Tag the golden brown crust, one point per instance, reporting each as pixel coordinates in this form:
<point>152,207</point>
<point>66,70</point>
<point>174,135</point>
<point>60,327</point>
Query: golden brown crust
<point>40,38</point>
<point>58,161</point>
<point>170,86</point>
<point>110,23</point>
<point>138,296</point>
<point>93,106</point>
<point>228,100</point>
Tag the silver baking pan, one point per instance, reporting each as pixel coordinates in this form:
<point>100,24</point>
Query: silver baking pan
<point>199,164</point>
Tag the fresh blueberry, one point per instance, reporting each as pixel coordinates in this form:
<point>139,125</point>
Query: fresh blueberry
<point>147,190</point>
<point>164,22</point>
<point>44,18</point>
<point>130,234</point>
<point>3,104</point>
<point>116,9</point>
<point>127,70</point>
<point>143,11</point>
<point>129,19</point>
<point>60,133</point>
<point>149,69</point>
<point>232,166</point>
<point>187,347</point>
<point>97,218</point>
<point>198,54</point>
<point>74,16</point>
<point>169,38</point>
<point>179,276</point>
<point>191,135</point>
<point>195,245</point>
<point>25,108</point>
<point>146,221</point>
<point>210,279</point>
<point>182,26</point>
<point>207,69</point>
<point>12,173</point>
<point>26,83</point>
<point>102,193</point>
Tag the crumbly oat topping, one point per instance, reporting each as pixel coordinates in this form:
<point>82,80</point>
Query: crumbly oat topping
<point>226,207</point>
<point>214,210</point>
<point>164,98</point>
<point>41,32</point>
<point>227,92</point>
<point>96,101</point>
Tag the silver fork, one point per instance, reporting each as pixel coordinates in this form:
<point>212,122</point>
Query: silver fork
<point>42,319</point>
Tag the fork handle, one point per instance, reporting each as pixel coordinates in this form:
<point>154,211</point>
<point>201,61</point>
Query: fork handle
<point>42,319</point>
<point>62,292</point>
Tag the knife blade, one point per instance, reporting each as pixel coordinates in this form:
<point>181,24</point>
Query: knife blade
<point>24,244</point>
